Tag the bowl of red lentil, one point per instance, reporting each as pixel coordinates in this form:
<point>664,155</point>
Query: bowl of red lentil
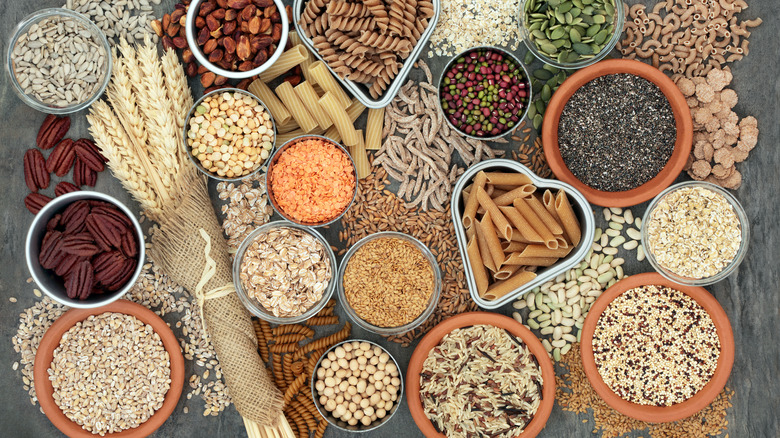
<point>655,350</point>
<point>311,181</point>
<point>695,217</point>
<point>229,134</point>
<point>389,283</point>
<point>619,131</point>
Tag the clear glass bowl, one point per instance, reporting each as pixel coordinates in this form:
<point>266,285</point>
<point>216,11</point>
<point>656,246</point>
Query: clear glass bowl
<point>731,267</point>
<point>387,331</point>
<point>196,162</point>
<point>337,423</point>
<point>618,20</point>
<point>253,305</point>
<point>269,187</point>
<point>24,26</point>
<point>507,55</point>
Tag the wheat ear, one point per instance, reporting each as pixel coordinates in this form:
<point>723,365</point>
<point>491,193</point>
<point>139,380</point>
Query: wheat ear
<point>114,143</point>
<point>180,96</point>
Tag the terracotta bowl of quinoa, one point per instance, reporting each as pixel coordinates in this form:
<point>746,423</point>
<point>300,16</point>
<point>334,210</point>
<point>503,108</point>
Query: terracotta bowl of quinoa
<point>517,333</point>
<point>682,120</point>
<point>700,302</point>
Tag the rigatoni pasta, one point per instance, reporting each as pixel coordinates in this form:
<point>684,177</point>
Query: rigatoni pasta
<point>295,106</point>
<point>275,106</point>
<point>374,126</point>
<point>513,230</point>
<point>310,99</point>
<point>289,59</point>
<point>329,84</point>
<point>340,118</point>
<point>359,156</point>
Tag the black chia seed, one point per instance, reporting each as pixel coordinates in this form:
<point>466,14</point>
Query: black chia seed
<point>617,132</point>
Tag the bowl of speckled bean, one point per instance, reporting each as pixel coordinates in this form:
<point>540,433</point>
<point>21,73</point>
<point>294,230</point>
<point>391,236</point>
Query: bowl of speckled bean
<point>619,131</point>
<point>656,350</point>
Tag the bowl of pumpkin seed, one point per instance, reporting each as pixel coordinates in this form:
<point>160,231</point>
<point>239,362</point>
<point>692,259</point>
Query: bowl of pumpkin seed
<point>571,34</point>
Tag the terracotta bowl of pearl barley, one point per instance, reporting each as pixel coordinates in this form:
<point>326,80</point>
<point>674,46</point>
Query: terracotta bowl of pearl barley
<point>54,336</point>
<point>655,413</point>
<point>655,184</point>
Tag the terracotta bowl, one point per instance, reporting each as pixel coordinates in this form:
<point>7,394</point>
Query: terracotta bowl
<point>435,336</point>
<point>52,339</point>
<point>657,414</point>
<point>682,147</point>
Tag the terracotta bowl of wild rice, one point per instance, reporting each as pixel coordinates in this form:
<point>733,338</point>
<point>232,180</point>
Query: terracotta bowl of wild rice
<point>655,413</point>
<point>517,332</point>
<point>51,340</point>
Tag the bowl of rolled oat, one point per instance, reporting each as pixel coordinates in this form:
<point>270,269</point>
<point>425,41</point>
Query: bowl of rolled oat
<point>656,350</point>
<point>283,272</point>
<point>143,347</point>
<point>695,233</point>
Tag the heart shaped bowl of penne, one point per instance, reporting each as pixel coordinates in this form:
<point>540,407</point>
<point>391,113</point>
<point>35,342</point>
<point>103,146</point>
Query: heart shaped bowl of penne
<point>515,230</point>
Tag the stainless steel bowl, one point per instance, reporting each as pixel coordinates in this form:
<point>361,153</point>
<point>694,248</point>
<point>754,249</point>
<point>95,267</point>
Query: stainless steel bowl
<point>337,423</point>
<point>358,90</point>
<point>580,206</point>
<point>51,284</point>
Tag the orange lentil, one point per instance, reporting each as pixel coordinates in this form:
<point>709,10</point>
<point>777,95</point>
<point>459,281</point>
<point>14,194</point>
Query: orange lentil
<point>313,181</point>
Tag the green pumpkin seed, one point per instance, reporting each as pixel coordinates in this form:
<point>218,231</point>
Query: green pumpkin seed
<point>528,58</point>
<point>587,2</point>
<point>568,17</point>
<point>546,93</point>
<point>561,77</point>
<point>548,48</point>
<point>534,26</point>
<point>558,33</point>
<point>609,8</point>
<point>537,123</point>
<point>536,86</point>
<point>582,49</point>
<point>575,12</point>
<point>600,37</point>
<point>588,10</point>
<point>566,7</point>
<point>562,56</point>
<point>578,3</point>
<point>540,106</point>
<point>538,34</point>
<point>531,112</point>
<point>599,19</point>
<point>575,36</point>
<point>542,74</point>
<point>551,69</point>
<point>593,30</point>
<point>573,56</point>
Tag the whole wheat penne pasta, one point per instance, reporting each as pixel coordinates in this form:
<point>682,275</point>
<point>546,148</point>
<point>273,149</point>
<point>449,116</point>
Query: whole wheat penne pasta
<point>519,192</point>
<point>310,100</point>
<point>503,287</point>
<point>497,192</point>
<point>358,153</point>
<point>340,119</point>
<point>513,246</point>
<point>506,187</point>
<point>295,106</point>
<point>569,221</point>
<point>323,77</point>
<point>517,237</point>
<point>489,189</point>
<point>491,238</point>
<point>518,259</point>
<point>507,179</point>
<point>477,267</point>
<point>536,222</point>
<point>544,215</point>
<point>548,200</point>
<point>538,250</point>
<point>506,272</point>
<point>275,106</point>
<point>374,126</point>
<point>289,59</point>
<point>471,232</point>
<point>523,227</point>
<point>471,203</point>
<point>502,225</point>
<point>483,247</point>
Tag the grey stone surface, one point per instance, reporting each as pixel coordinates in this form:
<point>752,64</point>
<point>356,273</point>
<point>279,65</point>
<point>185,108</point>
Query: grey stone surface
<point>751,296</point>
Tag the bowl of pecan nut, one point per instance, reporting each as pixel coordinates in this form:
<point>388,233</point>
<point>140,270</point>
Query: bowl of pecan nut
<point>85,249</point>
<point>236,39</point>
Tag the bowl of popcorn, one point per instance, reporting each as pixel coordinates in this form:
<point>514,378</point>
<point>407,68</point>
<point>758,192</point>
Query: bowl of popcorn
<point>229,134</point>
<point>283,272</point>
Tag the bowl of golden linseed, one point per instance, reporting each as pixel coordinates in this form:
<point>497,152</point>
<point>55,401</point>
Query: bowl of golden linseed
<point>389,283</point>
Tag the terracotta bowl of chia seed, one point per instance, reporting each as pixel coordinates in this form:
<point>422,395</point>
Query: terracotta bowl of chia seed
<point>654,184</point>
<point>653,413</point>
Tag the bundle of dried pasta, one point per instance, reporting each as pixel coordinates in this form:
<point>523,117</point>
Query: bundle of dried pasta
<point>688,37</point>
<point>512,231</point>
<point>139,130</point>
<point>292,359</point>
<point>366,41</point>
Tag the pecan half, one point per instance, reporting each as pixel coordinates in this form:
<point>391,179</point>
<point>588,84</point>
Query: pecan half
<point>127,271</point>
<point>64,187</point>
<point>62,157</point>
<point>35,202</point>
<point>83,175</point>
<point>82,244</point>
<point>105,231</point>
<point>74,216</point>
<point>79,282</point>
<point>35,175</point>
<point>129,246</point>
<point>52,131</point>
<point>67,263</point>
<point>89,156</point>
<point>108,266</point>
<point>54,222</point>
<point>51,250</point>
